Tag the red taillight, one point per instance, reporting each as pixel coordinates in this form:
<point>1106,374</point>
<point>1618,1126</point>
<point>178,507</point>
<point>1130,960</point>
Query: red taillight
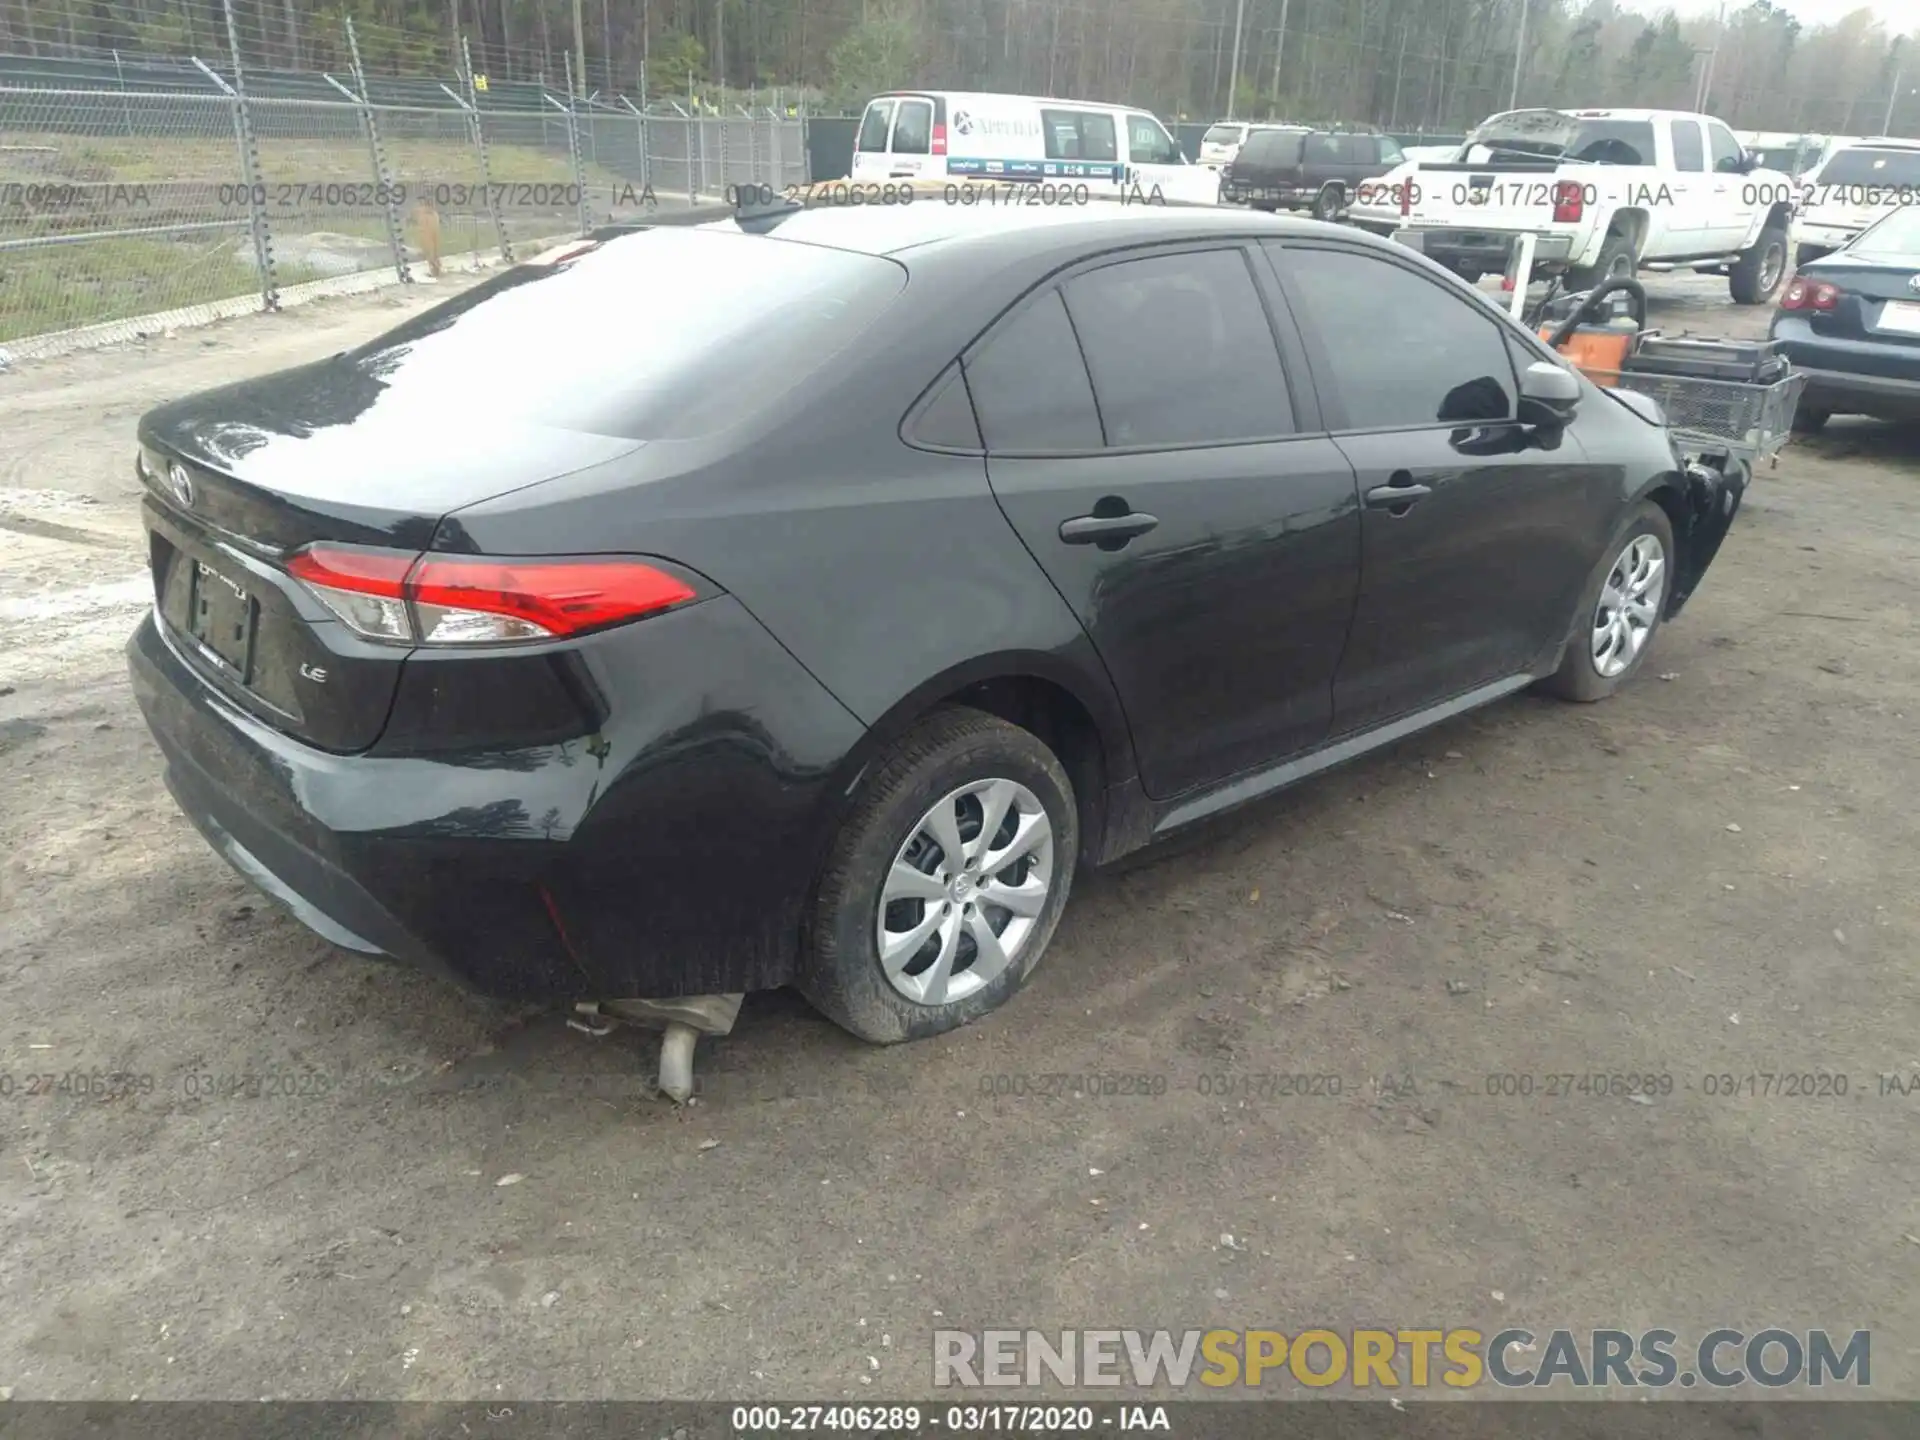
<point>939,139</point>
<point>1805,294</point>
<point>1569,202</point>
<point>480,600</point>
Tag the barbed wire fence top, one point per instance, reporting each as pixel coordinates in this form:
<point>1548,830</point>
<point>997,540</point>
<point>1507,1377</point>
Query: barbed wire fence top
<point>137,198</point>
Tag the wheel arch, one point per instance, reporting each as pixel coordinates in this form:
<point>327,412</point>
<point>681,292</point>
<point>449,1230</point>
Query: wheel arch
<point>1075,713</point>
<point>1777,216</point>
<point>1633,223</point>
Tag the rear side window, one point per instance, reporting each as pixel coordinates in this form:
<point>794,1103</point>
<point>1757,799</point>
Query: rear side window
<point>1321,150</point>
<point>1030,386</point>
<point>1390,152</point>
<point>913,128</point>
<point>1180,351</point>
<point>873,126</point>
<point>1689,153</point>
<point>1080,135</point>
<point>1402,351</point>
<point>723,325</point>
<point>1272,147</point>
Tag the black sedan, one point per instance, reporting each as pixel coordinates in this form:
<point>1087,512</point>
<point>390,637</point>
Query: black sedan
<point>1851,321</point>
<point>800,598</point>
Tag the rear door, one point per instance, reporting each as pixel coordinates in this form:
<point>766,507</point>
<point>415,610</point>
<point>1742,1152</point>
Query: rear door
<point>1477,534</point>
<point>1150,437</point>
<point>1689,219</point>
<point>870,140</point>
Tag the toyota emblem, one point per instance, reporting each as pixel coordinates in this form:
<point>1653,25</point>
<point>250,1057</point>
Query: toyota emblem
<point>180,483</point>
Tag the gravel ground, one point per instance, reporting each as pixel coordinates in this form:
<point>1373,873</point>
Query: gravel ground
<point>1713,874</point>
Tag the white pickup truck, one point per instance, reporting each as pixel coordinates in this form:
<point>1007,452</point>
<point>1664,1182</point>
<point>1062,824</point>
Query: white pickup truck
<point>1605,193</point>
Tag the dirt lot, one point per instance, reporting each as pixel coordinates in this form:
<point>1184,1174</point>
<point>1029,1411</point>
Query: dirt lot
<point>1716,873</point>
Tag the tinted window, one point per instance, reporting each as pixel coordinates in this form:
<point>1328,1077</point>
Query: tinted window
<point>1390,152</point>
<point>1080,135</point>
<point>1030,385</point>
<point>1271,147</point>
<point>726,323</point>
<point>1148,144</point>
<point>1726,149</point>
<point>1688,152</point>
<point>913,129</point>
<point>947,418</point>
<point>1873,167</point>
<point>1358,150</point>
<point>1180,350</point>
<point>873,126</point>
<point>1614,142</point>
<point>1321,150</point>
<point>1402,350</point>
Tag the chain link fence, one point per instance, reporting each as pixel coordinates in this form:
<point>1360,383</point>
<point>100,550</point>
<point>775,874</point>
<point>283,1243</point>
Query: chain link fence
<point>128,213</point>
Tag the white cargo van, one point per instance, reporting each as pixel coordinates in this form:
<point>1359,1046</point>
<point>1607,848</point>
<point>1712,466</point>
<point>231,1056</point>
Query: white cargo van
<point>934,134</point>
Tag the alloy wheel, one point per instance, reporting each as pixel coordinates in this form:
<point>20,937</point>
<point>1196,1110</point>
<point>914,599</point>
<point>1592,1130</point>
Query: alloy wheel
<point>965,891</point>
<point>1629,605</point>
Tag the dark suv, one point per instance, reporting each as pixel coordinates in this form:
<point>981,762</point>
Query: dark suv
<point>1297,169</point>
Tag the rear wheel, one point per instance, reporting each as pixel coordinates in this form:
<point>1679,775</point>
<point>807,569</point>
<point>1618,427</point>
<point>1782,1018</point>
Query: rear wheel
<point>1620,610</point>
<point>1615,262</point>
<point>946,882</point>
<point>1811,419</point>
<point>1758,273</point>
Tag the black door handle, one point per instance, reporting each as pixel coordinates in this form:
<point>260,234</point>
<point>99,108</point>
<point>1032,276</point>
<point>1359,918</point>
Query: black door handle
<point>1399,494</point>
<point>1109,532</point>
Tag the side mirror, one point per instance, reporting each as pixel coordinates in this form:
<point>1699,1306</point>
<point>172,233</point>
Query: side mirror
<point>1549,394</point>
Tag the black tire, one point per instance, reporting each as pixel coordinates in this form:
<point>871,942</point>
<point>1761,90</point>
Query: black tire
<point>1616,256</point>
<point>1578,679</point>
<point>1756,275</point>
<point>840,971</point>
<point>1331,200</point>
<point>1810,419</point>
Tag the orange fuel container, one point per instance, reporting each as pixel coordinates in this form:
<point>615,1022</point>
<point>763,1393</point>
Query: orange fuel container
<point>1598,350</point>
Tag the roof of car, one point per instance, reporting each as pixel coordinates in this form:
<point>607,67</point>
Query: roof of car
<point>954,213</point>
<point>976,96</point>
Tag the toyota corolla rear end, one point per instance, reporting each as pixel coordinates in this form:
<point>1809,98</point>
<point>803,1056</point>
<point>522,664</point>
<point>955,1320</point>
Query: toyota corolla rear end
<point>515,766</point>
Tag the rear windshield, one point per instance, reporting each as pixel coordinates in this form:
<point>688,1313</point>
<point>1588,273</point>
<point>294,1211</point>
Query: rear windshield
<point>1872,167</point>
<point>1551,134</point>
<point>1897,238</point>
<point>658,335</point>
<point>1785,158</point>
<point>1222,135</point>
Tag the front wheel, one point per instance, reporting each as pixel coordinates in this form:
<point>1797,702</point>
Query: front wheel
<point>1620,610</point>
<point>1331,200</point>
<point>946,881</point>
<point>1758,273</point>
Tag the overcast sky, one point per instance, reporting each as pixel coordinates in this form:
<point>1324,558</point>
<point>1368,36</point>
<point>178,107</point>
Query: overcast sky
<point>1811,12</point>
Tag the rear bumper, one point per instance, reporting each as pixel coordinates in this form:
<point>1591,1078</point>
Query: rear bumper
<point>669,853</point>
<point>1856,376</point>
<point>1822,237</point>
<point>1487,249</point>
<point>1866,394</point>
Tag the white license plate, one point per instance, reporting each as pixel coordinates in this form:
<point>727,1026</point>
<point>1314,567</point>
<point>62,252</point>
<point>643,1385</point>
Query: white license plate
<point>1901,316</point>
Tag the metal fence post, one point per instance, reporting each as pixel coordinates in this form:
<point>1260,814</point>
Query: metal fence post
<point>250,177</point>
<point>573,147</point>
<point>472,107</point>
<point>382,176</point>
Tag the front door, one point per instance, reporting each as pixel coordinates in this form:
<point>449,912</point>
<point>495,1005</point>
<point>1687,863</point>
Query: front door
<point>1477,532</point>
<point>1144,440</point>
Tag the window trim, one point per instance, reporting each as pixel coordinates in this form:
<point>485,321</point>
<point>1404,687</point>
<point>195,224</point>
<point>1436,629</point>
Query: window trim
<point>1332,402</point>
<point>1309,420</point>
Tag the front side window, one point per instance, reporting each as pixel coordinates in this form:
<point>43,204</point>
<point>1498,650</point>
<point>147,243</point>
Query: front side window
<point>1727,154</point>
<point>1180,351</point>
<point>1148,144</point>
<point>1402,351</point>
